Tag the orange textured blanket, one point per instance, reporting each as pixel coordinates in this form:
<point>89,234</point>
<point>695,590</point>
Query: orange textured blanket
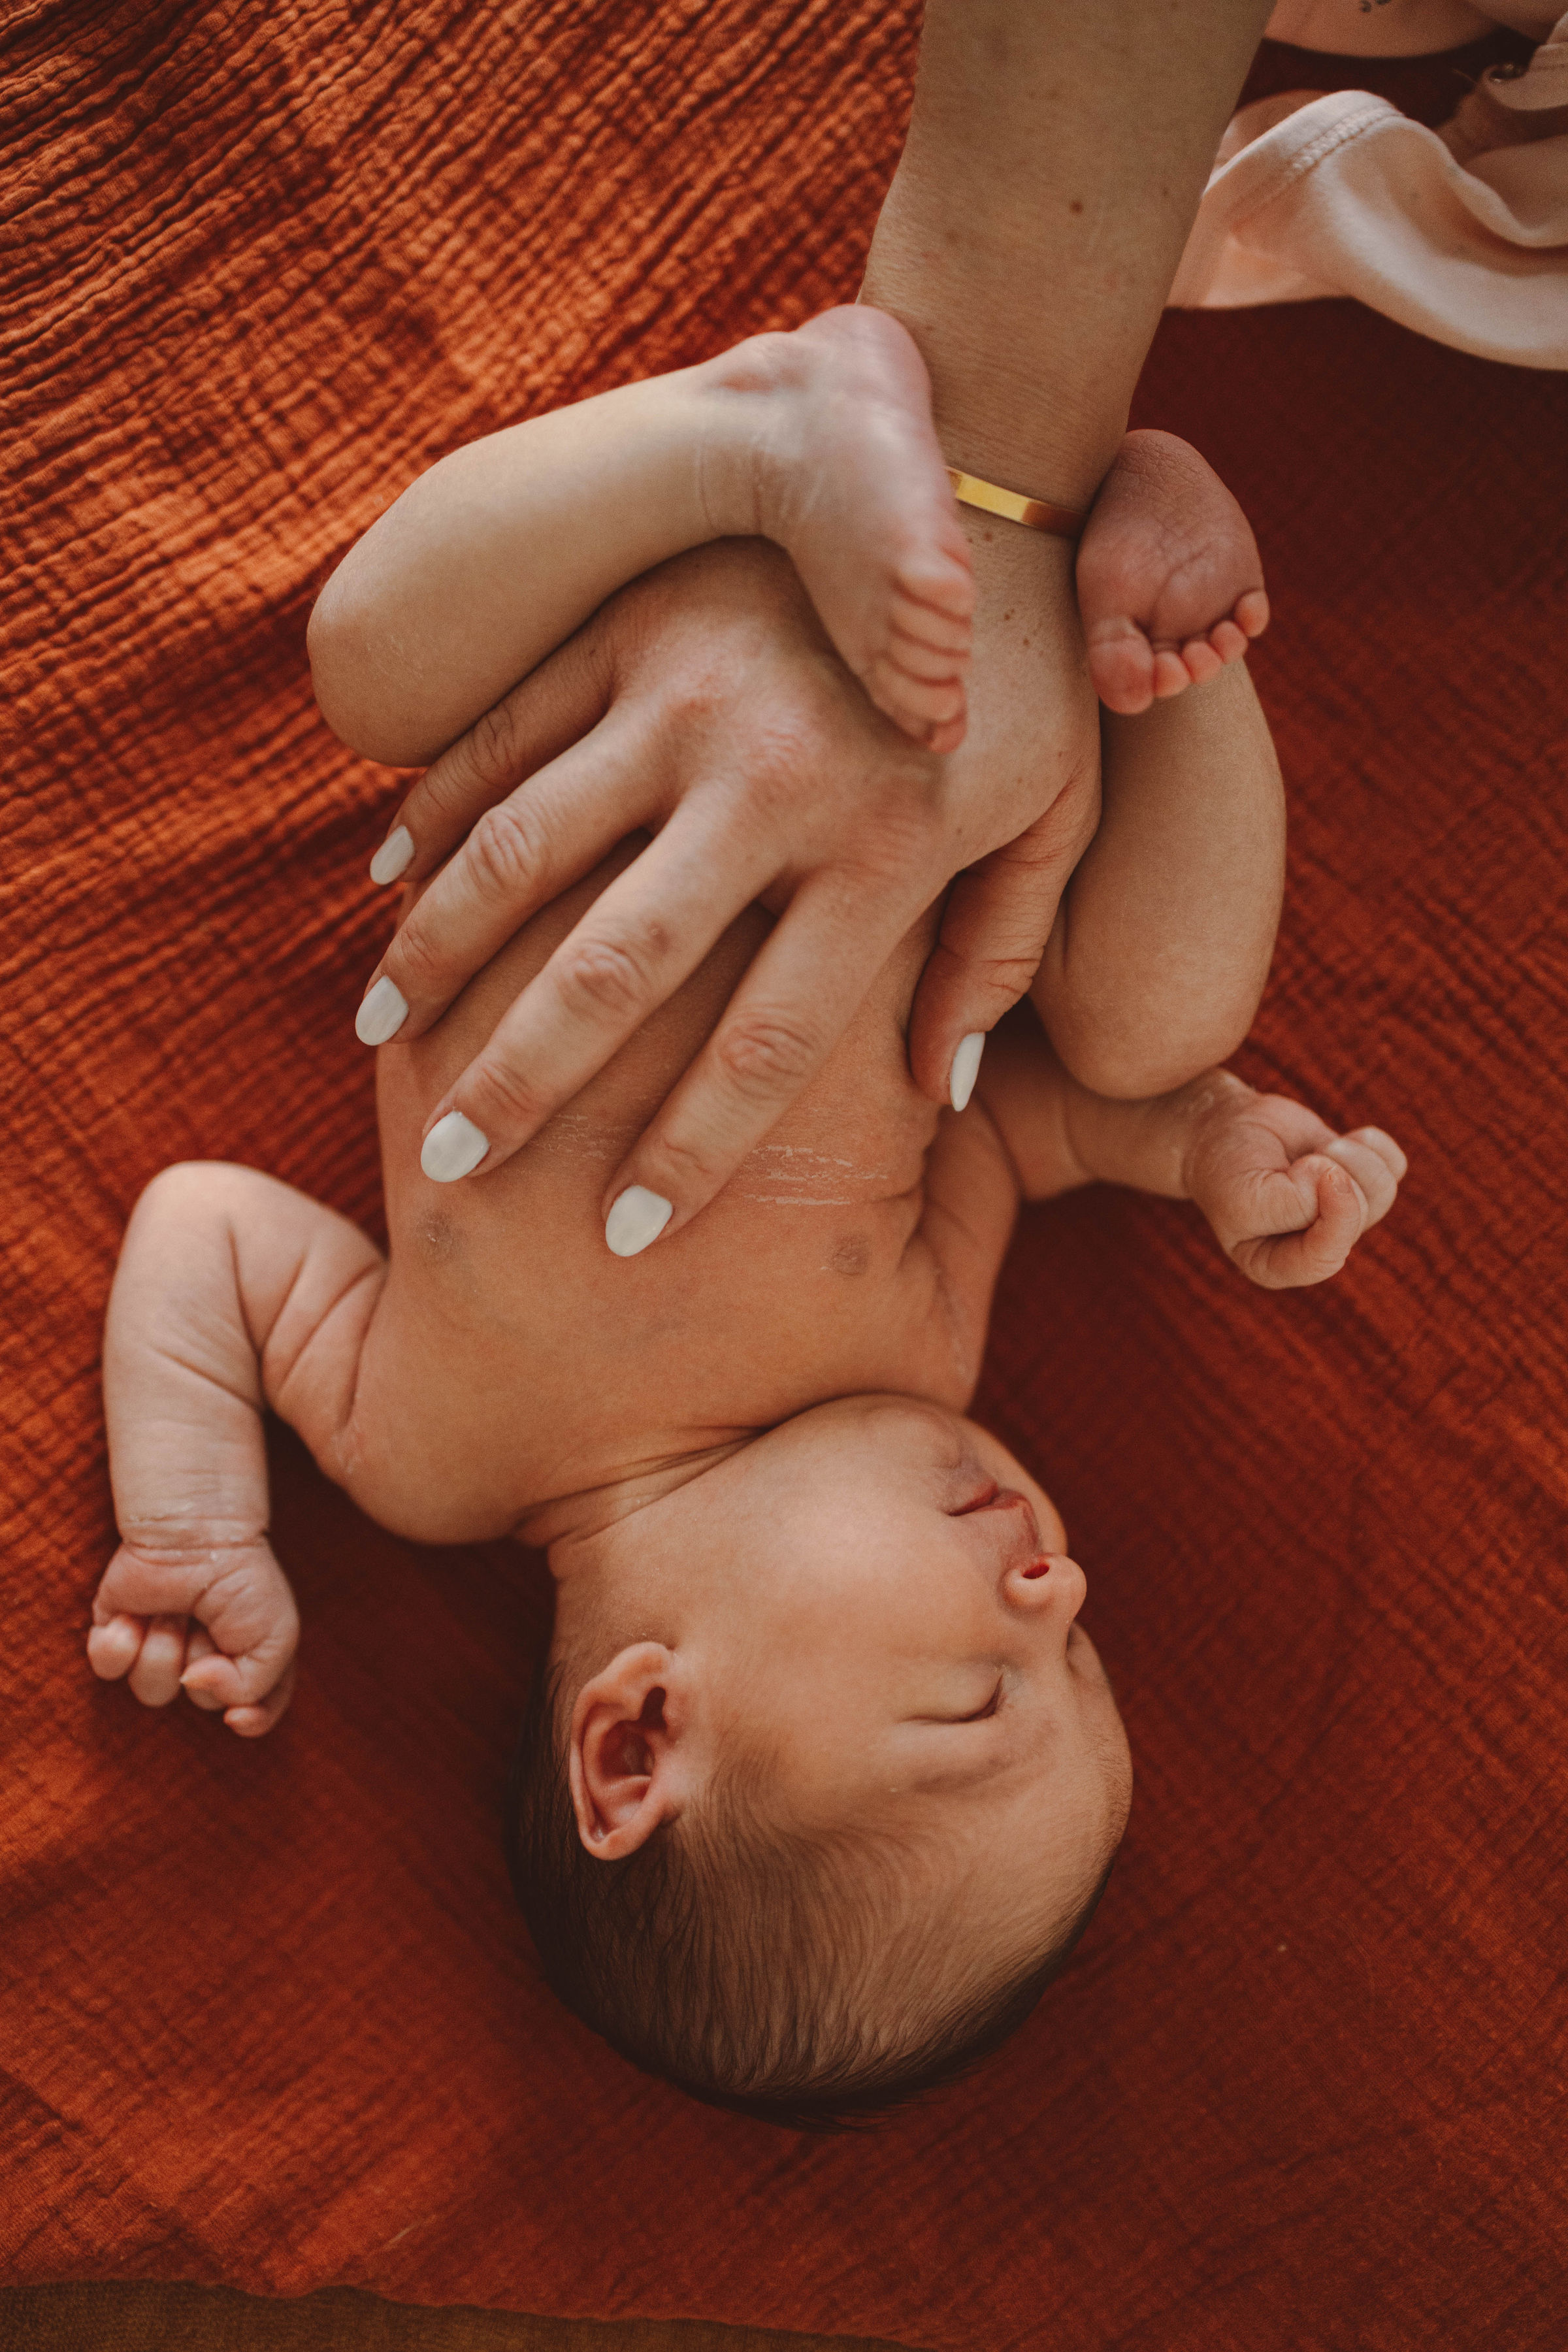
<point>269,2017</point>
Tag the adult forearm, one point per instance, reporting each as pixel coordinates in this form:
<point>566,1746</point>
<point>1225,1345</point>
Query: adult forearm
<point>1056,156</point>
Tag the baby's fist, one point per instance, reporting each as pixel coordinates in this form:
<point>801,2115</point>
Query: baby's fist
<point>1288,1198</point>
<point>214,1617</point>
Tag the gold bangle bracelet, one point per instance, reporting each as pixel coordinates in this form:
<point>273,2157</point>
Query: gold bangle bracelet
<point>1039,514</point>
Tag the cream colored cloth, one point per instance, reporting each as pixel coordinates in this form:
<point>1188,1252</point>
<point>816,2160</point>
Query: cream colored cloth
<point>1460,234</point>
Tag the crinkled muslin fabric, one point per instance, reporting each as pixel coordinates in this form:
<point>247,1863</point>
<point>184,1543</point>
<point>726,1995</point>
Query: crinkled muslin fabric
<point>268,2018</point>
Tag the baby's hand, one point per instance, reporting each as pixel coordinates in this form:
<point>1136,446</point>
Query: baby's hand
<point>214,1616</point>
<point>1288,1197</point>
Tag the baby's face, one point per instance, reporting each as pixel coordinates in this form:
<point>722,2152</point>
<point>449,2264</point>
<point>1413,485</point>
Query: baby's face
<point>892,1619</point>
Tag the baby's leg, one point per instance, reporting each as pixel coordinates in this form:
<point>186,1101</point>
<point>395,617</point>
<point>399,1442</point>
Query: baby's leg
<point>842,460</point>
<point>1169,583</point>
<point>821,440</point>
<point>1161,948</point>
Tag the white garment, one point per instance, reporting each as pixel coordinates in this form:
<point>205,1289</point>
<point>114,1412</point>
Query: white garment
<point>1343,194</point>
<point>1402,28</point>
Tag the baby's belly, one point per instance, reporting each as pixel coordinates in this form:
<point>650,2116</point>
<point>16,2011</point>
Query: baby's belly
<point>806,1279</point>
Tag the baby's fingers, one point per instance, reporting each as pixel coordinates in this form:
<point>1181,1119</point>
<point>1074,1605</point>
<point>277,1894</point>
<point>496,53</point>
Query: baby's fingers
<point>217,1681</point>
<point>156,1676</point>
<point>114,1647</point>
<point>253,1631</point>
<point>1290,1260</point>
<point>1376,1163</point>
<point>200,1645</point>
<point>149,1651</point>
<point>251,1722</point>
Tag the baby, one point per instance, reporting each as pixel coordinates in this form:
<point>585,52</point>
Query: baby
<point>820,1778</point>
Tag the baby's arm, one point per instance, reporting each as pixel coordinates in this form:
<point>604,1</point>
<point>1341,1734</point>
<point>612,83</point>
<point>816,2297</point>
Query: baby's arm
<point>233,1292</point>
<point>1287,1197</point>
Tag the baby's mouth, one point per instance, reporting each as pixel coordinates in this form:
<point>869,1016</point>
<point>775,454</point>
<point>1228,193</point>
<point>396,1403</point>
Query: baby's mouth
<point>980,1502</point>
<point>994,1498</point>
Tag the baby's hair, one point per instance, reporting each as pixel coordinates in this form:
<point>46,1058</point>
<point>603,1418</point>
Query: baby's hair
<point>739,1959</point>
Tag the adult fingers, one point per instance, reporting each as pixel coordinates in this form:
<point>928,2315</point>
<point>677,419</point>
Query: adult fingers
<point>633,949</point>
<point>784,1021</point>
<point>521,853</point>
<point>998,916</point>
<point>550,709</point>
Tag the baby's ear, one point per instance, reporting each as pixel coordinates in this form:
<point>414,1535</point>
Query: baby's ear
<point>630,1754</point>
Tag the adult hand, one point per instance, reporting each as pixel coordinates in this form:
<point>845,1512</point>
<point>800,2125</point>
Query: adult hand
<point>704,704</point>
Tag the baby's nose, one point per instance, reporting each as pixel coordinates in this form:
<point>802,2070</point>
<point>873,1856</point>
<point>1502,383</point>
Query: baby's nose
<point>1050,1580</point>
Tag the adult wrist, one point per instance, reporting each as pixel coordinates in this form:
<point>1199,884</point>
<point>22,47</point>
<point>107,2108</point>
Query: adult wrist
<point>1016,398</point>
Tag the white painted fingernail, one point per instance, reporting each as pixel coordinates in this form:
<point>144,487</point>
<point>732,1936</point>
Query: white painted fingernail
<point>394,856</point>
<point>453,1147</point>
<point>382,1014</point>
<point>637,1217</point>
<point>965,1069</point>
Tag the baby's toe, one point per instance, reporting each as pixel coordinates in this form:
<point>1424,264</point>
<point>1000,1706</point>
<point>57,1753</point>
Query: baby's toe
<point>1251,613</point>
<point>1121,666</point>
<point>1170,674</point>
<point>922,707</point>
<point>155,1677</point>
<point>1201,660</point>
<point>940,654</point>
<point>936,592</point>
<point>1227,642</point>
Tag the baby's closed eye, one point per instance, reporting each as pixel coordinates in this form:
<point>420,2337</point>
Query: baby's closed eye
<point>977,1714</point>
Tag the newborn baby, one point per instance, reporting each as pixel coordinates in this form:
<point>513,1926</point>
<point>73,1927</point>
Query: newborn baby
<point>821,1776</point>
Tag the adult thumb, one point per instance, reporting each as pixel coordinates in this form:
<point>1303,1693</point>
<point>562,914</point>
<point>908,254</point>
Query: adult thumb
<point>998,918</point>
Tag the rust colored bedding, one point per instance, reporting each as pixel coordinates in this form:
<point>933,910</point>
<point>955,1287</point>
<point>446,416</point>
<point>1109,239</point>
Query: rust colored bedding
<point>269,2017</point>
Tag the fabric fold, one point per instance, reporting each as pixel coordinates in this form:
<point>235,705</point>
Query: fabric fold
<point>1316,195</point>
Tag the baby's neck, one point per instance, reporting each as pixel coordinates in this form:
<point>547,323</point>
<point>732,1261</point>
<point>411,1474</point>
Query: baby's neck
<point>571,1527</point>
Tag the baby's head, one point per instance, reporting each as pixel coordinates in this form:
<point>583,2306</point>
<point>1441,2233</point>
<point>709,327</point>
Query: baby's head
<point>821,1780</point>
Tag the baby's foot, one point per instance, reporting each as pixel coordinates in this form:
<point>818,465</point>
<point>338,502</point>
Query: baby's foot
<point>1169,583</point>
<point>842,468</point>
<point>1288,1198</point>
